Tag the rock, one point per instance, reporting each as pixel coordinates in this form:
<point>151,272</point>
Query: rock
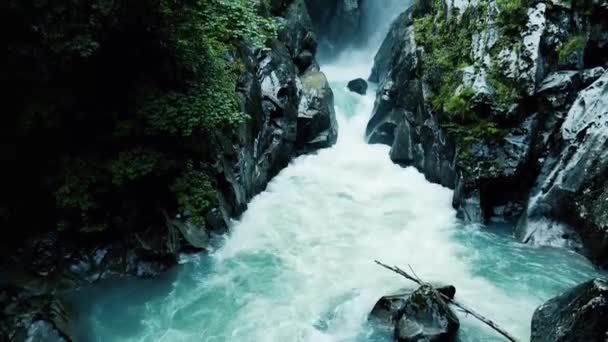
<point>304,60</point>
<point>337,21</point>
<point>390,45</point>
<point>420,315</point>
<point>29,317</point>
<point>546,160</point>
<point>579,161</point>
<point>346,20</point>
<point>426,316</point>
<point>317,125</point>
<point>358,86</point>
<point>402,116</point>
<point>448,290</point>
<point>579,314</point>
<point>298,35</point>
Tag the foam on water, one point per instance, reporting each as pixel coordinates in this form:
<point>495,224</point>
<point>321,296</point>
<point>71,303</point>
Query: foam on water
<point>298,266</point>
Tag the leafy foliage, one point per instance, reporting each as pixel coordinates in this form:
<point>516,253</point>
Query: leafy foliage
<point>121,94</point>
<point>195,193</point>
<point>512,16</point>
<point>131,165</point>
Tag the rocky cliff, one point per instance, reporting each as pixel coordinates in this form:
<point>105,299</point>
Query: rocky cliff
<point>290,111</point>
<point>505,102</point>
<point>337,22</point>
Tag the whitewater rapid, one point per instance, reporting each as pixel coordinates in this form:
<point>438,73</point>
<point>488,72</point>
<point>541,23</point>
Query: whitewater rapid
<point>298,265</point>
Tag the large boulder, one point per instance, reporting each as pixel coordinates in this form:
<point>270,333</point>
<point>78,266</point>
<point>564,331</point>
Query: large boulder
<point>422,315</point>
<point>579,314</point>
<point>317,124</point>
<point>358,86</point>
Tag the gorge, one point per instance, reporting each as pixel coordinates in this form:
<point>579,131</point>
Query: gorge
<point>500,193</point>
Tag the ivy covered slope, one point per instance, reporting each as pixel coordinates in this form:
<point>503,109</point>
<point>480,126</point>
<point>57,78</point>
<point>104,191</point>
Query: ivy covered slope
<point>505,102</point>
<point>134,131</point>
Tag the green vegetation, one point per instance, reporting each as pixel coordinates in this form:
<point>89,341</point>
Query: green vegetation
<point>447,45</point>
<point>512,16</point>
<point>573,44</point>
<point>195,193</point>
<point>110,99</point>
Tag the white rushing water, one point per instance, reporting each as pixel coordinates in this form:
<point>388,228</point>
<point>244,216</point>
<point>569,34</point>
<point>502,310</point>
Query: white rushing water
<point>298,266</point>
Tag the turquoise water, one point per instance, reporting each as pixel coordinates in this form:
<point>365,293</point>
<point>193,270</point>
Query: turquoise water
<point>299,264</point>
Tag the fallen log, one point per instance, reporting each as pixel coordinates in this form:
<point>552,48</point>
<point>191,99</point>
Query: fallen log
<point>462,307</point>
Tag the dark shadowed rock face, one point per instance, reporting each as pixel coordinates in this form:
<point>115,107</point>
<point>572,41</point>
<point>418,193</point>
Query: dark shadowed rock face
<point>291,108</point>
<point>25,316</point>
<point>579,314</point>
<point>419,316</point>
<point>337,21</point>
<point>358,86</point>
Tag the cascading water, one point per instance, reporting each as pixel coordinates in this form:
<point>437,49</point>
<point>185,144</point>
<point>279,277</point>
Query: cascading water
<point>298,266</point>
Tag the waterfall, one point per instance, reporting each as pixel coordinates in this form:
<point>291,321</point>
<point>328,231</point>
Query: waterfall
<point>298,265</point>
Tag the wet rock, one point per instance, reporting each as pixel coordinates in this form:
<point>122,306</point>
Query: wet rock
<point>402,117</point>
<point>29,317</point>
<point>347,20</point>
<point>337,20</point>
<point>304,60</point>
<point>390,45</point>
<point>509,176</point>
<point>298,35</point>
<point>578,162</point>
<point>358,86</point>
<point>579,314</point>
<point>426,316</point>
<point>419,316</point>
<point>317,125</point>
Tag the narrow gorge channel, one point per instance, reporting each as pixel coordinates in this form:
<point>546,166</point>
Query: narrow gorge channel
<point>298,265</point>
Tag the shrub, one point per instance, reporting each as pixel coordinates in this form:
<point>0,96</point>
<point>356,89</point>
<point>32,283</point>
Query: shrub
<point>512,16</point>
<point>195,193</point>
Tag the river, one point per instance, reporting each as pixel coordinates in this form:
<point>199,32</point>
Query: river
<point>298,265</point>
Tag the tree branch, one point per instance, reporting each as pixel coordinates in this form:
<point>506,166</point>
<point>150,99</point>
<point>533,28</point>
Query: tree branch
<point>462,307</point>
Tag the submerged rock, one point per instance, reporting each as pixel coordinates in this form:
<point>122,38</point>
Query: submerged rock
<point>419,316</point>
<point>358,86</point>
<point>579,314</point>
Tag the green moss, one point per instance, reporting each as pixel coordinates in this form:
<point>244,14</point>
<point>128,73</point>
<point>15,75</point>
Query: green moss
<point>573,44</point>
